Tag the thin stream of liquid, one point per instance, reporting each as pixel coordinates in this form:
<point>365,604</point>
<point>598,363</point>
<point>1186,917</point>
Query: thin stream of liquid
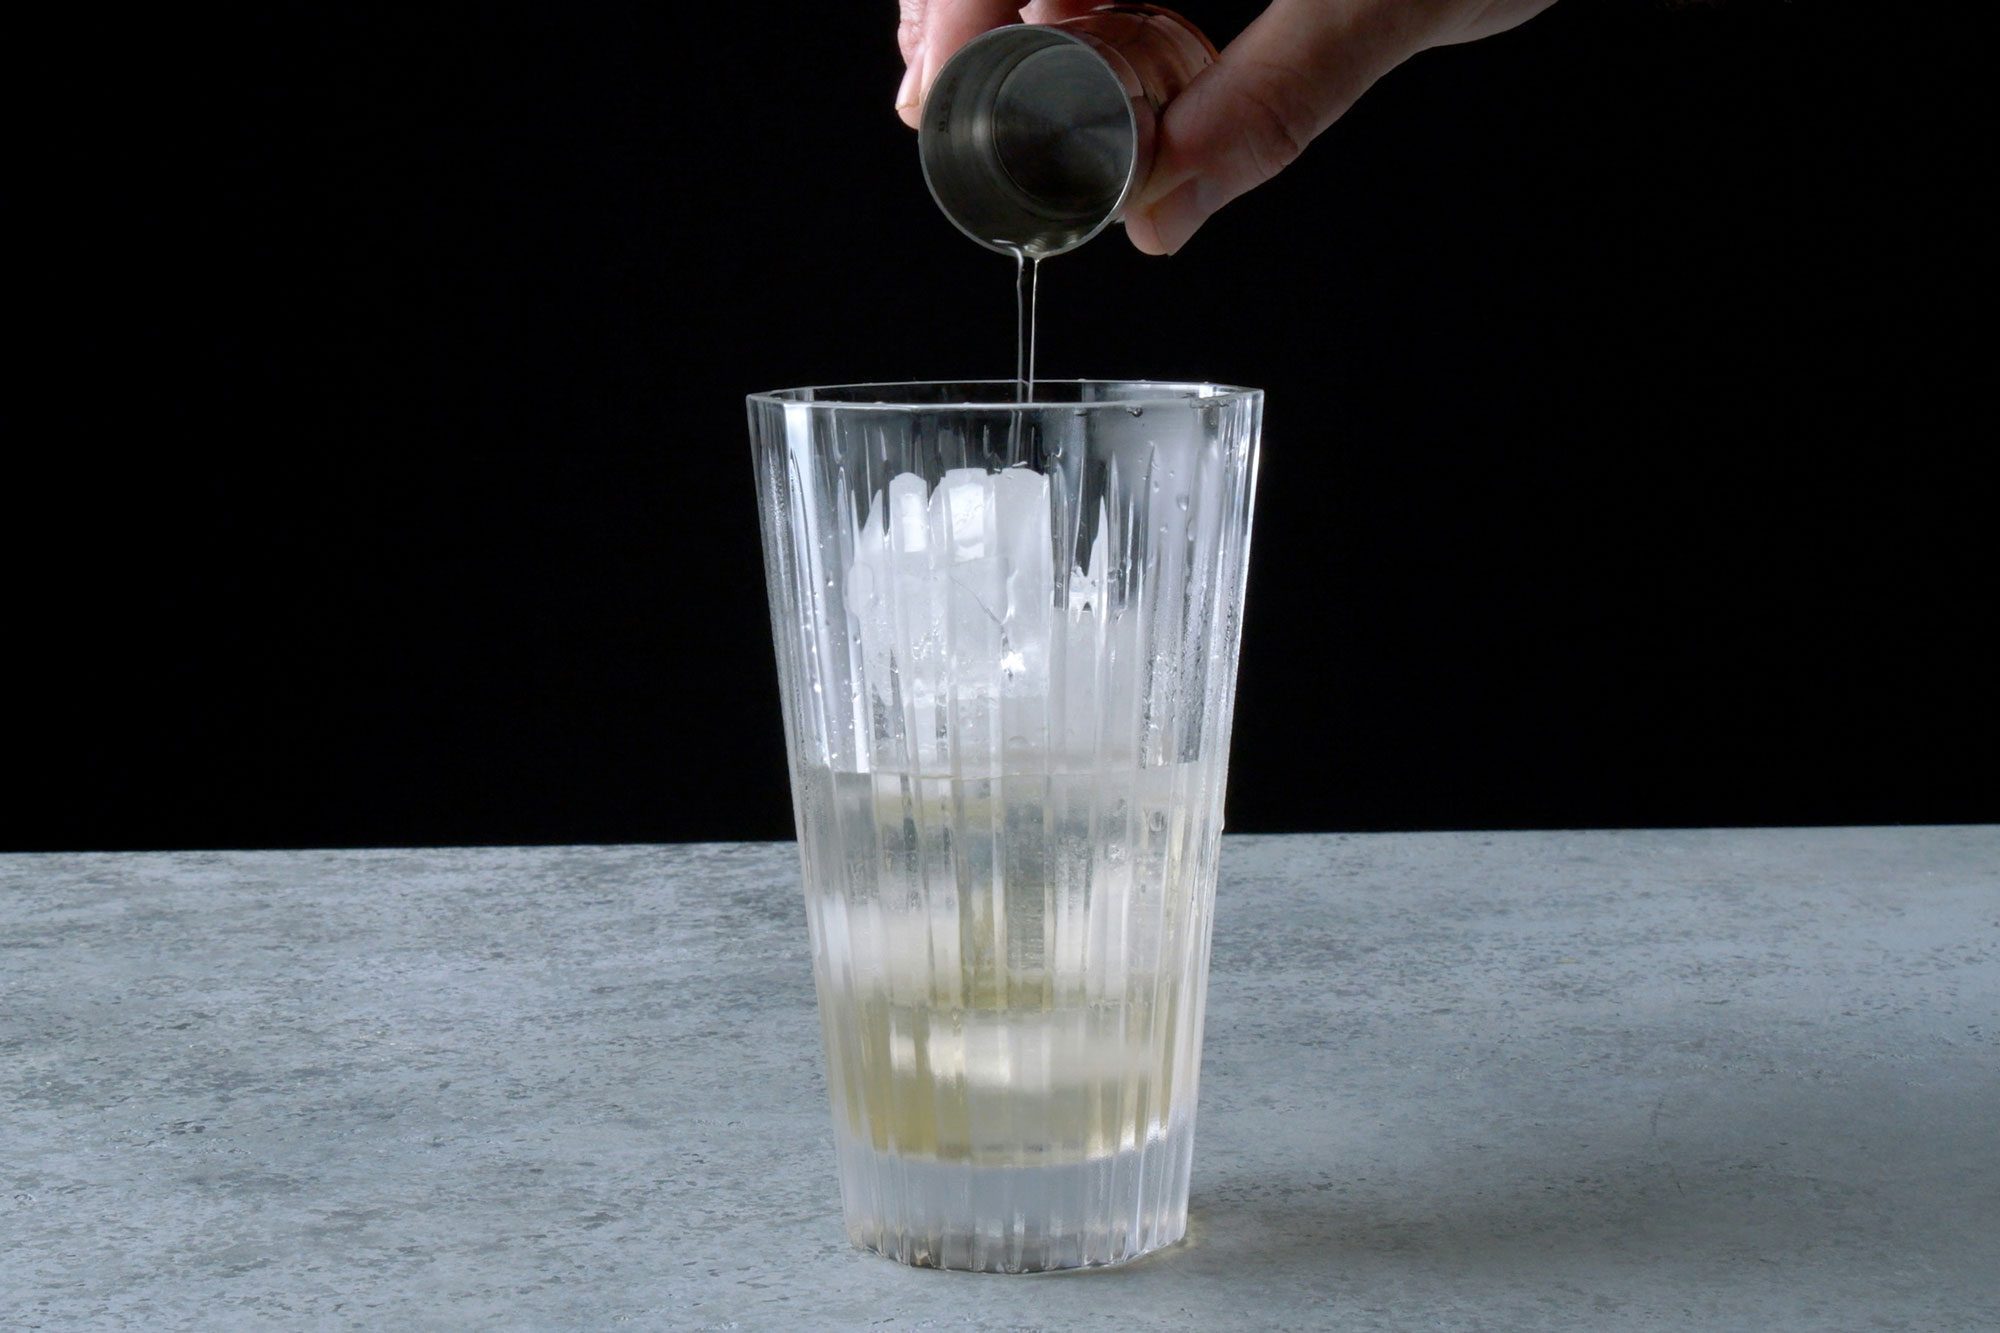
<point>1027,285</point>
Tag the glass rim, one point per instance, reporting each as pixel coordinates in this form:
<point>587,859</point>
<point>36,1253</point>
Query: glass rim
<point>1145,393</point>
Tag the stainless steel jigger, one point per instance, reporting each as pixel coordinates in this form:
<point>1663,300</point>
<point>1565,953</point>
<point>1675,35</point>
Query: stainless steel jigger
<point>1034,136</point>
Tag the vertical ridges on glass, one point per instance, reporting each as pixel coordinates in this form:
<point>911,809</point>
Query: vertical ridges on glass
<point>968,926</point>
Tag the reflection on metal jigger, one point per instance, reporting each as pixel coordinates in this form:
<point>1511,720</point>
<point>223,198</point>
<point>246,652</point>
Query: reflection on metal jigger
<point>1034,136</point>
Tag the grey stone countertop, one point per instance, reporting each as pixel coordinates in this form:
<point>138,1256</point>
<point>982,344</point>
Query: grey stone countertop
<point>1691,1079</point>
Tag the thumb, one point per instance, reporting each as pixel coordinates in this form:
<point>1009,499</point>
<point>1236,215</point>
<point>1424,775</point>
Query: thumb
<point>1289,75</point>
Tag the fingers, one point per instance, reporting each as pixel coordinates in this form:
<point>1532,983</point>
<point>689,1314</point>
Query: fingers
<point>931,31</point>
<point>909,27</point>
<point>1292,72</point>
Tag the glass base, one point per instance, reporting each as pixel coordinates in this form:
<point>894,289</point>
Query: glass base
<point>1018,1219</point>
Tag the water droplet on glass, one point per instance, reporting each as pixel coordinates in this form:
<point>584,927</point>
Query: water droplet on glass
<point>1136,411</point>
<point>1180,502</point>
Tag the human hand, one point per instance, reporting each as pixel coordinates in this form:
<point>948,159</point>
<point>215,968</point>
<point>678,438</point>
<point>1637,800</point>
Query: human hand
<point>1293,72</point>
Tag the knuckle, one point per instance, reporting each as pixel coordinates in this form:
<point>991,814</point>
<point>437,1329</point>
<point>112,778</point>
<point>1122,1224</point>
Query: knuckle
<point>1279,114</point>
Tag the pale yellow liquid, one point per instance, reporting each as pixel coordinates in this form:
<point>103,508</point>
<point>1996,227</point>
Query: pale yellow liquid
<point>1005,962</point>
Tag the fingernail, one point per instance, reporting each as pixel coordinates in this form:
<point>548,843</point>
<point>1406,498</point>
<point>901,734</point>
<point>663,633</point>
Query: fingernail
<point>906,91</point>
<point>1180,215</point>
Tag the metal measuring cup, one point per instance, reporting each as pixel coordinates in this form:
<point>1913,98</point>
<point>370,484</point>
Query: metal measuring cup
<point>1034,136</point>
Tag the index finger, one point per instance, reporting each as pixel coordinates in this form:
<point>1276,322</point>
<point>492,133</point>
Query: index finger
<point>932,31</point>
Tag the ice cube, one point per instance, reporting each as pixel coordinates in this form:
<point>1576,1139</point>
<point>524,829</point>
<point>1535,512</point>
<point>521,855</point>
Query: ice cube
<point>959,513</point>
<point>952,592</point>
<point>910,533</point>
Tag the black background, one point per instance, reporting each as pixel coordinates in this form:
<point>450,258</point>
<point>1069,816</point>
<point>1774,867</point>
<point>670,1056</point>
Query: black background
<point>1627,455</point>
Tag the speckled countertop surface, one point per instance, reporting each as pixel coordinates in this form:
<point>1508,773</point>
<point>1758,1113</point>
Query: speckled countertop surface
<point>1523,1080</point>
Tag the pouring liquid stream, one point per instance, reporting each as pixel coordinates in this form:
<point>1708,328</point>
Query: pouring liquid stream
<point>1027,281</point>
<point>1027,286</point>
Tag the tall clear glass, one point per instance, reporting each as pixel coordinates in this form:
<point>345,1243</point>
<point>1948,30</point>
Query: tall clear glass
<point>1007,638</point>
